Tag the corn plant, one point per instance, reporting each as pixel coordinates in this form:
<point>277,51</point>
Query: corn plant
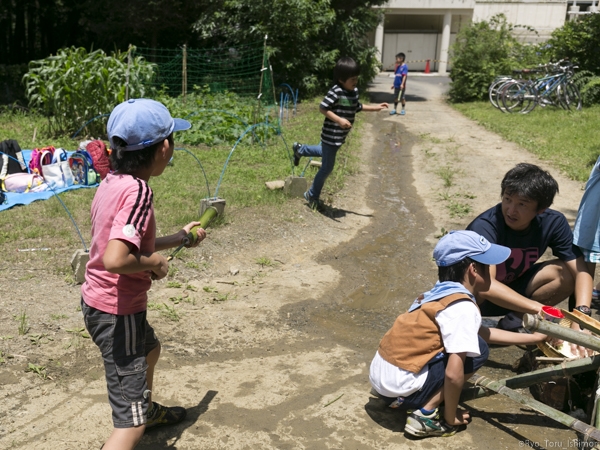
<point>74,86</point>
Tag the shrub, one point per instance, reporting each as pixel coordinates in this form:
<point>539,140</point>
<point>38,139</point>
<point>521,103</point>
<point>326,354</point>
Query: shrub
<point>75,86</point>
<point>482,51</point>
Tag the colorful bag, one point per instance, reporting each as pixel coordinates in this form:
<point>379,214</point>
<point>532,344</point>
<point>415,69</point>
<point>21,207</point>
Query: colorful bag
<point>100,160</point>
<point>11,158</point>
<point>35,163</point>
<point>57,174</point>
<point>82,167</point>
<point>23,183</point>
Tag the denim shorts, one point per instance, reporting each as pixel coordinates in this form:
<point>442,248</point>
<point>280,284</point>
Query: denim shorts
<point>124,342</point>
<point>590,256</point>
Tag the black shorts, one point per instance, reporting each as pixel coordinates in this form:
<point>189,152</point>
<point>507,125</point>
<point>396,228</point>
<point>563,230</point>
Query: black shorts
<point>399,94</point>
<point>124,341</point>
<point>519,285</point>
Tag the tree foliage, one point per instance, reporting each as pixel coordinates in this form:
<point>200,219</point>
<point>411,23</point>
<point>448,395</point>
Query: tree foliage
<point>578,40</point>
<point>306,37</point>
<point>482,51</point>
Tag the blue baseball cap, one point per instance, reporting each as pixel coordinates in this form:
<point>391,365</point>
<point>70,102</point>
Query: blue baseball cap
<point>461,244</point>
<point>142,122</point>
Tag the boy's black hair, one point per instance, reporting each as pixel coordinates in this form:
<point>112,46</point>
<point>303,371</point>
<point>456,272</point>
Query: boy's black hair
<point>124,161</point>
<point>345,68</point>
<point>455,272</point>
<point>401,55</point>
<point>531,182</point>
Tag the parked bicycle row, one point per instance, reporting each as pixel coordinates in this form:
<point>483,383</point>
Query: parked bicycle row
<point>552,87</point>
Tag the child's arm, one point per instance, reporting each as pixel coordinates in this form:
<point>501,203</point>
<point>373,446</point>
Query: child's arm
<point>343,123</point>
<point>173,240</point>
<point>374,107</point>
<point>453,384</point>
<point>403,82</point>
<point>503,337</point>
<point>118,258</point>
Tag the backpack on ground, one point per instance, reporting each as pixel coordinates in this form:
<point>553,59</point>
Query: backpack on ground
<point>24,182</point>
<point>58,173</point>
<point>11,158</point>
<point>36,161</point>
<point>100,160</point>
<point>82,167</point>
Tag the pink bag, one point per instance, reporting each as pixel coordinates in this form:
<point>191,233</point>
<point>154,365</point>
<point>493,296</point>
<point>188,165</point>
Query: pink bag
<point>23,183</point>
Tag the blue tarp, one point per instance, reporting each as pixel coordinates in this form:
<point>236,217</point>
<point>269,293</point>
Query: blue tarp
<point>13,199</point>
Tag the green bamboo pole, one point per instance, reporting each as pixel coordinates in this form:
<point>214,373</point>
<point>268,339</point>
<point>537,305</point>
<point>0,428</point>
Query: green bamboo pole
<point>535,323</point>
<point>537,376</point>
<point>560,417</point>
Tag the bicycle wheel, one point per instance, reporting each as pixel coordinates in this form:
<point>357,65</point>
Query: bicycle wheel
<point>518,97</point>
<point>570,97</point>
<point>493,90</point>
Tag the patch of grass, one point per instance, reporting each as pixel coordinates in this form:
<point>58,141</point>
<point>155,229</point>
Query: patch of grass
<point>567,139</point>
<point>192,265</point>
<point>458,209</point>
<point>23,325</point>
<point>39,339</point>
<point>263,261</point>
<point>446,173</point>
<point>169,312</point>
<point>173,284</point>
<point>58,316</point>
<point>189,287</point>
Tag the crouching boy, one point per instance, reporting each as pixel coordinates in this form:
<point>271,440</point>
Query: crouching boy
<point>429,352</point>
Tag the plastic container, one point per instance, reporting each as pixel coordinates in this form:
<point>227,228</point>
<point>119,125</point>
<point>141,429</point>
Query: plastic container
<point>552,314</point>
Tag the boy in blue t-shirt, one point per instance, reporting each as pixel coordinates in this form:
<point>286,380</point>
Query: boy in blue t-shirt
<point>399,86</point>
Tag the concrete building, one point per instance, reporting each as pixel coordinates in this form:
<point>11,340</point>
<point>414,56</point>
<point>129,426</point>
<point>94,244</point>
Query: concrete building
<point>425,29</point>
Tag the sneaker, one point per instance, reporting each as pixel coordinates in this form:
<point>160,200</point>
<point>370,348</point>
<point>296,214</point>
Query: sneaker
<point>421,425</point>
<point>164,415</point>
<point>315,204</point>
<point>402,112</point>
<point>297,155</point>
<point>392,112</point>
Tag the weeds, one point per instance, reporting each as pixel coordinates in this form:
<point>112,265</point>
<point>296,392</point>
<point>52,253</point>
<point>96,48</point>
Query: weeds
<point>38,370</point>
<point>23,325</point>
<point>264,262</point>
<point>58,316</point>
<point>169,312</point>
<point>39,339</point>
<point>458,209</point>
<point>173,284</point>
<point>446,173</point>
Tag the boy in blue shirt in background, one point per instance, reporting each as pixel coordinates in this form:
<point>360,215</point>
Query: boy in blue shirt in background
<point>399,86</point>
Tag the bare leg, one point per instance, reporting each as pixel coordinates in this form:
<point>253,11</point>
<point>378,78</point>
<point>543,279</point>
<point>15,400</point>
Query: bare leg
<point>124,438</point>
<point>152,359</point>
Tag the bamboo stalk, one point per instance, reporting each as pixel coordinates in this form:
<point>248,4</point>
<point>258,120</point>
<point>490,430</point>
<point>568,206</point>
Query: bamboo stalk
<point>537,376</point>
<point>535,323</point>
<point>560,417</point>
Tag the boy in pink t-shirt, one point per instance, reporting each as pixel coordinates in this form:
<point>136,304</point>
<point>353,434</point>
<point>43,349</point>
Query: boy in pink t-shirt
<point>124,261</point>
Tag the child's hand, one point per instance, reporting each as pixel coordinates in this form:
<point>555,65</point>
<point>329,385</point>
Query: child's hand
<point>382,105</point>
<point>161,269</point>
<point>344,123</point>
<point>200,232</point>
<point>462,417</point>
<point>392,88</point>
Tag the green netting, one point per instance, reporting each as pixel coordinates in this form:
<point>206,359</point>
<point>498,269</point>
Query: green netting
<point>236,69</point>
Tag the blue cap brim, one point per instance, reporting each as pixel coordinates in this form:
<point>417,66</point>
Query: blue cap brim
<point>496,254</point>
<point>181,125</point>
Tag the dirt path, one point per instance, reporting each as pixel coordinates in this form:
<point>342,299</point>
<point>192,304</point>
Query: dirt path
<point>276,355</point>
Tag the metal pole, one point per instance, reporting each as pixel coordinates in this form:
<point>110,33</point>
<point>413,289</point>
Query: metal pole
<point>184,73</point>
<point>540,407</point>
<point>535,323</point>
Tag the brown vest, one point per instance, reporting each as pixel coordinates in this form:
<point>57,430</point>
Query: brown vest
<point>415,337</point>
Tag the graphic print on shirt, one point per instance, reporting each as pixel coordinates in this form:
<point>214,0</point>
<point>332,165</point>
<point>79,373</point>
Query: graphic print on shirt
<point>519,261</point>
